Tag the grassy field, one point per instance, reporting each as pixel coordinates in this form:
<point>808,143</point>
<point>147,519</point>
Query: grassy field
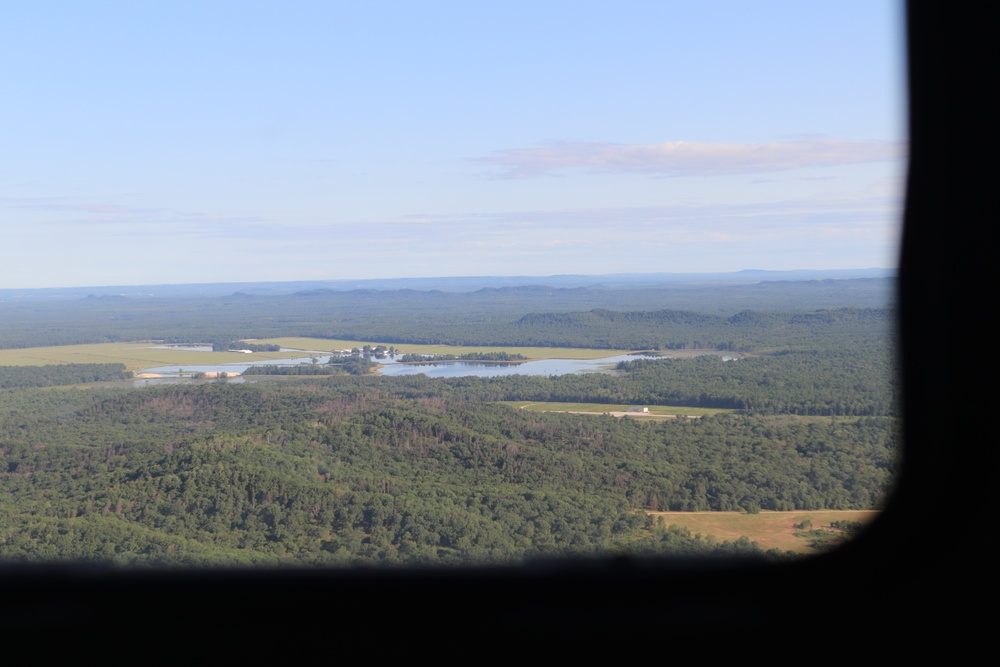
<point>768,529</point>
<point>138,356</point>
<point>655,411</point>
<point>135,356</point>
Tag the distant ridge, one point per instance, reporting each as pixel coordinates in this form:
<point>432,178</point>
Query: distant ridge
<point>444,283</point>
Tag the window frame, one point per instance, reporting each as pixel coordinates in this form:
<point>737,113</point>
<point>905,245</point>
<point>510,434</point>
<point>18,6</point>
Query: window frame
<point>909,563</point>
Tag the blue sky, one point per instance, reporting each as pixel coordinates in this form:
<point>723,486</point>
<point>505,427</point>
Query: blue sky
<point>181,142</point>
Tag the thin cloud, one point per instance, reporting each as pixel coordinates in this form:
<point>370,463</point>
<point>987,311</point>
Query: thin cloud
<point>846,207</point>
<point>687,158</point>
<point>69,212</point>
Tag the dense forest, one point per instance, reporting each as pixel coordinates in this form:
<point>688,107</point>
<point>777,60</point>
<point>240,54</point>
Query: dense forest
<point>337,471</point>
<point>60,374</point>
<point>332,464</point>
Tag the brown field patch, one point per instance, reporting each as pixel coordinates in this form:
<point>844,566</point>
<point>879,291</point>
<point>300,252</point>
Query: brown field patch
<point>770,530</point>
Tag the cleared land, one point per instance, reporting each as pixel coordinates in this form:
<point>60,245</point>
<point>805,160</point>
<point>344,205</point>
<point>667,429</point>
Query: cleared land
<point>771,530</point>
<point>655,411</point>
<point>135,356</point>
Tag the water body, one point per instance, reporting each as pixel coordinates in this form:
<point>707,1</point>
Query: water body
<point>235,368</point>
<point>450,369</point>
<point>392,368</point>
<point>434,369</point>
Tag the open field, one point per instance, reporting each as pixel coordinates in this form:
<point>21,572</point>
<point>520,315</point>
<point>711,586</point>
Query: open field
<point>655,411</point>
<point>771,530</point>
<point>135,356</point>
<point>138,356</point>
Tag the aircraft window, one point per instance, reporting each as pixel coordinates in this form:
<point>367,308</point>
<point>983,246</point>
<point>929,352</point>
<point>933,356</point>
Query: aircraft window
<point>717,185</point>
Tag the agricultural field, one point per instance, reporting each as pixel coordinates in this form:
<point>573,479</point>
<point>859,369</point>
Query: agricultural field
<point>770,530</point>
<point>135,356</point>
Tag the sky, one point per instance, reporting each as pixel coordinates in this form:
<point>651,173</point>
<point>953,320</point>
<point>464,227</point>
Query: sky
<point>209,141</point>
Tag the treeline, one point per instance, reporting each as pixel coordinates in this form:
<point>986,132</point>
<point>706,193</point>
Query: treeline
<point>60,374</point>
<point>468,356</point>
<point>838,382</point>
<point>226,345</point>
<point>487,356</point>
<point>346,470</point>
<point>746,331</point>
<point>294,369</point>
<point>353,365</point>
<point>799,383</point>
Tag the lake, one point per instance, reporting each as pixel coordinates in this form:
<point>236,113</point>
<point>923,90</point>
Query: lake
<point>449,369</point>
<point>435,369</point>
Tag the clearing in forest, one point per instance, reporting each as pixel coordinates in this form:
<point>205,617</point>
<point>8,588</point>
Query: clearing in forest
<point>770,530</point>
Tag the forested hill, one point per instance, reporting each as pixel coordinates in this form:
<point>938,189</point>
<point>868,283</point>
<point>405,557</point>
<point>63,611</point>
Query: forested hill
<point>371,469</point>
<point>449,284</point>
<point>366,471</point>
<point>582,317</point>
<point>450,321</point>
<point>674,329</point>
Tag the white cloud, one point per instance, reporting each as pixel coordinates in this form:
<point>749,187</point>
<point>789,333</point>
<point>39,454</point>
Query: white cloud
<point>686,158</point>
